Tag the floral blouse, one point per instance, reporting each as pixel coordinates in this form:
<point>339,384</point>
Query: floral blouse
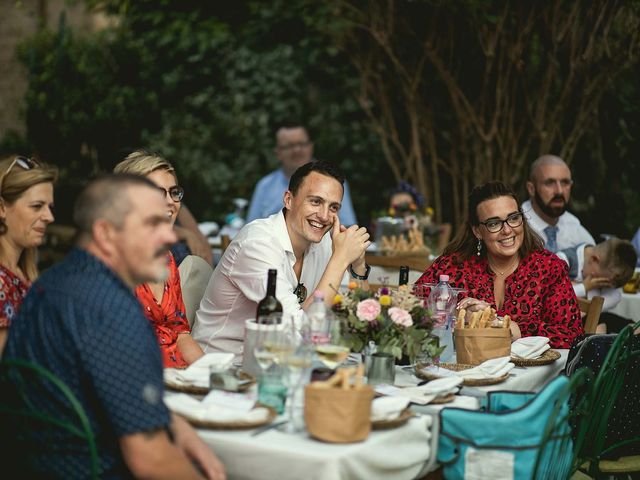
<point>538,295</point>
<point>168,318</point>
<point>12,291</point>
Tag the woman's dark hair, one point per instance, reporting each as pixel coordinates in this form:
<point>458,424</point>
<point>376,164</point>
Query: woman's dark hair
<point>320,166</point>
<point>464,245</point>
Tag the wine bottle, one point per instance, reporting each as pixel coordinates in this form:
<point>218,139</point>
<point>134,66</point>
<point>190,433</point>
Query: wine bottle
<point>269,305</point>
<point>404,275</point>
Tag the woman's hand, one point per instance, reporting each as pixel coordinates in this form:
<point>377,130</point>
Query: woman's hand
<point>473,305</point>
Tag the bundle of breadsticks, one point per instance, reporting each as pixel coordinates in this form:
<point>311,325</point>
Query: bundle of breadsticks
<point>346,378</point>
<point>484,319</point>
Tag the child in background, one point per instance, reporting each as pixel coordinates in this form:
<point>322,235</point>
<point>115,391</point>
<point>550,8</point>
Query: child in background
<point>600,270</point>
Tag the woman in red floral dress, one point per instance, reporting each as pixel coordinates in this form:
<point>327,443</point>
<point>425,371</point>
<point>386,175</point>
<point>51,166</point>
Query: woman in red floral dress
<point>162,302</point>
<point>26,202</point>
<point>501,263</point>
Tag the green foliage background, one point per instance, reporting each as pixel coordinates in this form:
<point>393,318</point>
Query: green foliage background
<point>207,83</point>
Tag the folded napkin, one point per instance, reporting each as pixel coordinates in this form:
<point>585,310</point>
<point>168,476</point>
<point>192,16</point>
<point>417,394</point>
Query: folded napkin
<point>493,368</point>
<point>529,347</point>
<point>423,394</point>
<point>388,408</point>
<point>189,407</point>
<point>197,374</point>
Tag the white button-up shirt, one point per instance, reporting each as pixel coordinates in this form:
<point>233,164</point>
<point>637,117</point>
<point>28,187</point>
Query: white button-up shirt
<point>571,233</point>
<point>239,282</point>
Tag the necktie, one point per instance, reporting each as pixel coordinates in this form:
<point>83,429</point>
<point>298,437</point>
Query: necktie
<point>552,234</point>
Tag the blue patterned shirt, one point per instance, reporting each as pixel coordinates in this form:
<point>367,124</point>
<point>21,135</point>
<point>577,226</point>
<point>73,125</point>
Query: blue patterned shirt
<point>80,321</point>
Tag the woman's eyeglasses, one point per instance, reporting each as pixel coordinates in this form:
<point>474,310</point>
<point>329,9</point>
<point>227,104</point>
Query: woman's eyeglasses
<point>176,193</point>
<point>23,162</point>
<point>494,225</point>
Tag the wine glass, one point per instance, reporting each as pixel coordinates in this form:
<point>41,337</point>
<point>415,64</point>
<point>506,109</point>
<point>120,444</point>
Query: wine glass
<point>268,336</point>
<point>331,352</point>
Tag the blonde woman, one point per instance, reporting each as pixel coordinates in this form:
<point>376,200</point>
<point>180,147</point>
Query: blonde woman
<point>26,203</point>
<point>162,302</point>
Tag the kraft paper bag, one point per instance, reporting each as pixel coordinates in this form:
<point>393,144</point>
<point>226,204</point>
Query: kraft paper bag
<point>475,345</point>
<point>336,415</point>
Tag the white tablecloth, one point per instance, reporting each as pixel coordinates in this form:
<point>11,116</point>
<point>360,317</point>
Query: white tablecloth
<point>397,453</point>
<point>629,306</point>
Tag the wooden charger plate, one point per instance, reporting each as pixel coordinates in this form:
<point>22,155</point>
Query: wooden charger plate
<point>179,386</point>
<point>233,425</point>
<point>546,358</point>
<point>457,367</point>
<point>393,423</point>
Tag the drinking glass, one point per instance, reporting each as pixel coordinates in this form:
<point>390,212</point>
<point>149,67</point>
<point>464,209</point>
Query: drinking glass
<point>332,353</point>
<point>268,336</point>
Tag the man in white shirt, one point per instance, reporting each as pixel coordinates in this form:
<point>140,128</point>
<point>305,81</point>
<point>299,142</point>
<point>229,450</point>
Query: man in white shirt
<point>293,241</point>
<point>549,188</point>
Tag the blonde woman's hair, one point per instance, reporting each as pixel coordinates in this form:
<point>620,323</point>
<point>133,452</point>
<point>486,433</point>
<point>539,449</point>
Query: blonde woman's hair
<point>143,163</point>
<point>12,186</point>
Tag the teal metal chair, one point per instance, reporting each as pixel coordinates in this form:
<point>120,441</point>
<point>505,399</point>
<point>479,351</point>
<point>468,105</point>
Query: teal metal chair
<point>527,435</point>
<point>621,367</point>
<point>31,436</point>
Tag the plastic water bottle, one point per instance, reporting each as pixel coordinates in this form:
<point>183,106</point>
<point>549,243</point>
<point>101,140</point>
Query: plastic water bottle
<point>319,319</point>
<point>442,303</point>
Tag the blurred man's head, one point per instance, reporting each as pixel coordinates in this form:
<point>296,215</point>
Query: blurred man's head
<point>613,258</point>
<point>293,147</point>
<point>549,187</point>
<point>122,220</point>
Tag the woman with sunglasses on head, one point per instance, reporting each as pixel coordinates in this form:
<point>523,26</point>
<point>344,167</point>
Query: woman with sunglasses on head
<point>162,302</point>
<point>501,263</point>
<point>26,203</point>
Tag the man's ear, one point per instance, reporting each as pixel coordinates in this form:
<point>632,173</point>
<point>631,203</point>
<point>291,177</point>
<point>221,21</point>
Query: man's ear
<point>287,199</point>
<point>103,233</point>
<point>531,188</point>
<point>3,209</point>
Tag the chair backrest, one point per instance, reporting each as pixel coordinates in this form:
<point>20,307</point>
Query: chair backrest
<point>592,309</point>
<point>611,398</point>
<point>33,438</point>
<point>195,273</point>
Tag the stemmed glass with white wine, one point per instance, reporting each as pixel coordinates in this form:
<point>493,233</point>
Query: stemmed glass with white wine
<point>328,345</point>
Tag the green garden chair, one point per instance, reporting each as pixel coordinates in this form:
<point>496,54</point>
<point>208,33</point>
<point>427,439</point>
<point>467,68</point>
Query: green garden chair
<point>31,436</point>
<point>620,367</point>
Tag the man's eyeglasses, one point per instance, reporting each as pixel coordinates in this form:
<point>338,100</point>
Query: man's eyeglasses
<point>301,292</point>
<point>494,225</point>
<point>176,193</point>
<point>23,162</point>
<point>291,146</point>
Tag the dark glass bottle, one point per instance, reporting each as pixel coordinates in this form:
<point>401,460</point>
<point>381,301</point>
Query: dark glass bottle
<point>269,304</point>
<point>404,275</point>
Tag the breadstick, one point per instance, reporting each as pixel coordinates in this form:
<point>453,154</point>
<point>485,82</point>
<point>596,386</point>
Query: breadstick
<point>359,381</point>
<point>506,321</point>
<point>485,317</point>
<point>473,323</point>
<point>460,320</point>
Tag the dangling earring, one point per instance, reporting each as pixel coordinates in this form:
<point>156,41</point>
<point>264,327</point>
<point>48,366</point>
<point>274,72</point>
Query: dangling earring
<point>479,247</point>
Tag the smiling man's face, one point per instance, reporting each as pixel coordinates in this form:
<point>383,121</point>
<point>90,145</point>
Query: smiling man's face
<point>313,209</point>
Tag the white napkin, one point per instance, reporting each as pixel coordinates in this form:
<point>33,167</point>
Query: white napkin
<point>529,347</point>
<point>197,374</point>
<point>493,368</point>
<point>188,406</point>
<point>388,408</point>
<point>423,394</point>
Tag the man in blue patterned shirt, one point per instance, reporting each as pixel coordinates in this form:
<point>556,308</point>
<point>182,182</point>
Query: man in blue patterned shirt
<point>81,321</point>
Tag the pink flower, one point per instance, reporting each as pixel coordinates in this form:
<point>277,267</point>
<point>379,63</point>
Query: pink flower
<point>368,310</point>
<point>400,316</point>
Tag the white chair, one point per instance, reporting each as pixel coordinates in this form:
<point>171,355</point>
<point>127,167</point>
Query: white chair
<point>194,277</point>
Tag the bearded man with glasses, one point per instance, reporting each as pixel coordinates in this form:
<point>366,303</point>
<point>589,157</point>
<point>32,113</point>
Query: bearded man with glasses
<point>549,188</point>
<point>499,262</point>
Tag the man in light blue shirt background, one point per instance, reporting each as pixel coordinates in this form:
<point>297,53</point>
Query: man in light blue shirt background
<point>293,149</point>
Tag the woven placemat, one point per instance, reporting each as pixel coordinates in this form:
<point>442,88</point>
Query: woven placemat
<point>234,425</point>
<point>396,422</point>
<point>457,367</point>
<point>546,358</point>
<point>178,386</point>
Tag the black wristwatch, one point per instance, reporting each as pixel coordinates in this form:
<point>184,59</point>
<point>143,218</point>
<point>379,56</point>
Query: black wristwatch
<point>367,269</point>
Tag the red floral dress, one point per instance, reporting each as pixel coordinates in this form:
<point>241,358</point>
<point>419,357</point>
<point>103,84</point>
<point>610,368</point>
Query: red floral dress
<point>168,318</point>
<point>538,295</point>
<point>12,292</point>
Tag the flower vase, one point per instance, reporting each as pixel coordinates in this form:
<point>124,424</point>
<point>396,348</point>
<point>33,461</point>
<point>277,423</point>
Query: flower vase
<point>381,368</point>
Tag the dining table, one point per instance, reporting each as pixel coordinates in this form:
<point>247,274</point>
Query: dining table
<point>629,306</point>
<point>405,452</point>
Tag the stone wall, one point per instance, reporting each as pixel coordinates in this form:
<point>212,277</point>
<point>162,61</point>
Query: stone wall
<point>20,19</point>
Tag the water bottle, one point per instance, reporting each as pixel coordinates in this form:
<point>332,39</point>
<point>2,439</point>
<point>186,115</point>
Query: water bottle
<point>319,319</point>
<point>442,303</point>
